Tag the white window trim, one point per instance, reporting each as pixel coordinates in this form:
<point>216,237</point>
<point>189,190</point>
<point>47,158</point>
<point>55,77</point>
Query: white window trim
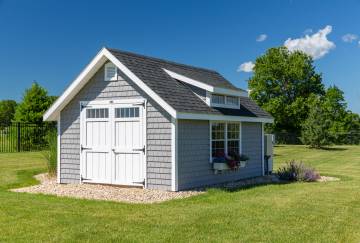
<point>225,105</point>
<point>110,65</point>
<point>225,137</point>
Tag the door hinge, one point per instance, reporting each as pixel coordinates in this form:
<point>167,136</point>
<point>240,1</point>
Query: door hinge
<point>140,182</point>
<point>142,149</point>
<point>84,148</point>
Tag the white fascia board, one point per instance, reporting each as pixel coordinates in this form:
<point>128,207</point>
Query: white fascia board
<point>204,86</point>
<point>104,55</point>
<point>192,116</point>
<point>140,83</point>
<point>53,112</point>
<point>189,80</point>
<point>230,92</point>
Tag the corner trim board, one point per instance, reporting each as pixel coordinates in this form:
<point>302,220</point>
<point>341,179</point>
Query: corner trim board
<point>58,169</point>
<point>174,154</point>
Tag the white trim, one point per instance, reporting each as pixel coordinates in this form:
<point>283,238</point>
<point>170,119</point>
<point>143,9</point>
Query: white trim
<point>140,83</point>
<point>207,87</point>
<point>145,142</point>
<point>58,169</point>
<point>53,112</point>
<point>110,65</point>
<point>106,102</point>
<point>194,116</point>
<point>112,105</point>
<point>174,155</point>
<point>226,123</point>
<point>208,98</point>
<point>240,137</point>
<point>262,149</point>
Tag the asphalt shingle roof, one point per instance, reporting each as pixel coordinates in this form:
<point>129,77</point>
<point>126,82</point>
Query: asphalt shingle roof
<point>176,94</point>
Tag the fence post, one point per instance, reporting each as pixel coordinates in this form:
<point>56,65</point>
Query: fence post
<point>18,137</point>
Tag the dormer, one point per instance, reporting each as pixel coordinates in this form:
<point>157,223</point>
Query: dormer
<point>214,96</point>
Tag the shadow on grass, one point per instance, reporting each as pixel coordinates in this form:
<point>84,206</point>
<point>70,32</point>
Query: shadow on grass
<point>248,187</point>
<point>24,178</point>
<point>333,148</point>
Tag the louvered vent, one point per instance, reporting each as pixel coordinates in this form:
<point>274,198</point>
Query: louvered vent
<point>110,72</point>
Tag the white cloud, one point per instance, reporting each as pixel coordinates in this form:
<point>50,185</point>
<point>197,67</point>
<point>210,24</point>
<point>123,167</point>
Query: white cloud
<point>316,45</point>
<point>308,31</point>
<point>349,38</point>
<point>246,67</point>
<point>261,38</point>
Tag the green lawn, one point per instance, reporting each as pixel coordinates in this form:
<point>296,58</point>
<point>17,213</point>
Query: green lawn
<point>298,212</point>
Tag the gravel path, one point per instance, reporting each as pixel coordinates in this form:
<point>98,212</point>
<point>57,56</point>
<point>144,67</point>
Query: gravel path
<point>103,192</point>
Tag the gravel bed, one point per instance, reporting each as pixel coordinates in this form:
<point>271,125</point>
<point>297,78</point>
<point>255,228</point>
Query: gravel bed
<point>103,192</point>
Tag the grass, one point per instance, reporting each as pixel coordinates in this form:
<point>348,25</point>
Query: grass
<point>298,212</point>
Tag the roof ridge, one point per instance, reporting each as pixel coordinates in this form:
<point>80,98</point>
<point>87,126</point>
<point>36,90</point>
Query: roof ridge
<point>161,60</point>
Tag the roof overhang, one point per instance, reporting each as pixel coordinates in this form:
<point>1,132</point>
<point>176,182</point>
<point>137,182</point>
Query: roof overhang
<point>100,59</point>
<point>207,87</point>
<point>104,55</point>
<point>210,117</point>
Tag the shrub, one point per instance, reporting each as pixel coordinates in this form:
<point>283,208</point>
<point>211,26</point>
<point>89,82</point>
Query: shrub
<point>51,153</point>
<point>297,171</point>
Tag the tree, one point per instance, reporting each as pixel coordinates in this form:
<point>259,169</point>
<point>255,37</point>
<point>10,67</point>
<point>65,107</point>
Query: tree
<point>7,111</point>
<point>282,83</point>
<point>33,105</point>
<point>316,128</point>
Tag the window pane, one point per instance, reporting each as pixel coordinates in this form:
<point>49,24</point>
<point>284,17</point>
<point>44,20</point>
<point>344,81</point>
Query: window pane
<point>97,113</point>
<point>218,130</point>
<point>218,148</point>
<point>233,147</point>
<point>232,100</point>
<point>233,131</point>
<point>217,99</point>
<point>137,112</point>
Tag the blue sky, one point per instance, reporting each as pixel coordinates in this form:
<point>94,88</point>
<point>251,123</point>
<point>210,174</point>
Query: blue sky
<point>52,41</point>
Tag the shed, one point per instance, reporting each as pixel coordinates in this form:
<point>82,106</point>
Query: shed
<point>133,120</point>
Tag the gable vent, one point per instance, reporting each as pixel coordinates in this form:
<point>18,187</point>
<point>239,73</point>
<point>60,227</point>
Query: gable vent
<point>110,72</point>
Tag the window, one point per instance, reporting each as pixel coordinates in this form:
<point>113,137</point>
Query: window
<point>225,101</point>
<point>233,138</point>
<point>218,139</point>
<point>127,112</point>
<point>217,99</point>
<point>97,113</point>
<point>110,72</point>
<point>232,100</point>
<point>225,139</point>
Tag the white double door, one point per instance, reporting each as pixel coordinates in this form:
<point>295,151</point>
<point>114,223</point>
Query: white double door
<point>112,143</point>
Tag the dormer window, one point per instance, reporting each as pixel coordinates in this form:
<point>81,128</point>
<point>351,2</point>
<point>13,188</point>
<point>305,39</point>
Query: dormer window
<point>218,99</point>
<point>225,101</point>
<point>110,72</point>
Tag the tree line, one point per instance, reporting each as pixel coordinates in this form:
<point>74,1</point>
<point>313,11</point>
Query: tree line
<point>30,109</point>
<point>287,85</point>
<point>283,83</point>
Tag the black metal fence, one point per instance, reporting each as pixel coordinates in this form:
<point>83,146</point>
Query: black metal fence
<point>19,137</point>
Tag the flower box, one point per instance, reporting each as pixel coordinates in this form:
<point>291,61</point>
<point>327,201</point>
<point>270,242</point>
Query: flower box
<point>220,166</point>
<point>242,163</point>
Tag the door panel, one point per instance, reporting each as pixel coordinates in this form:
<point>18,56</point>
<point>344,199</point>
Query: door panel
<point>96,146</point>
<point>112,144</point>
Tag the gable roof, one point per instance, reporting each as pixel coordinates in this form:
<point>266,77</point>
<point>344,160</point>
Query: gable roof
<point>174,96</point>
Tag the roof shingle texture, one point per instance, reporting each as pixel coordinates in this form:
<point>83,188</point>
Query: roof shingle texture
<point>176,94</point>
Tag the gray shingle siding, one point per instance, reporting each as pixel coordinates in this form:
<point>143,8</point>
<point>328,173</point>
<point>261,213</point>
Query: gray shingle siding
<point>158,130</point>
<point>194,168</point>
